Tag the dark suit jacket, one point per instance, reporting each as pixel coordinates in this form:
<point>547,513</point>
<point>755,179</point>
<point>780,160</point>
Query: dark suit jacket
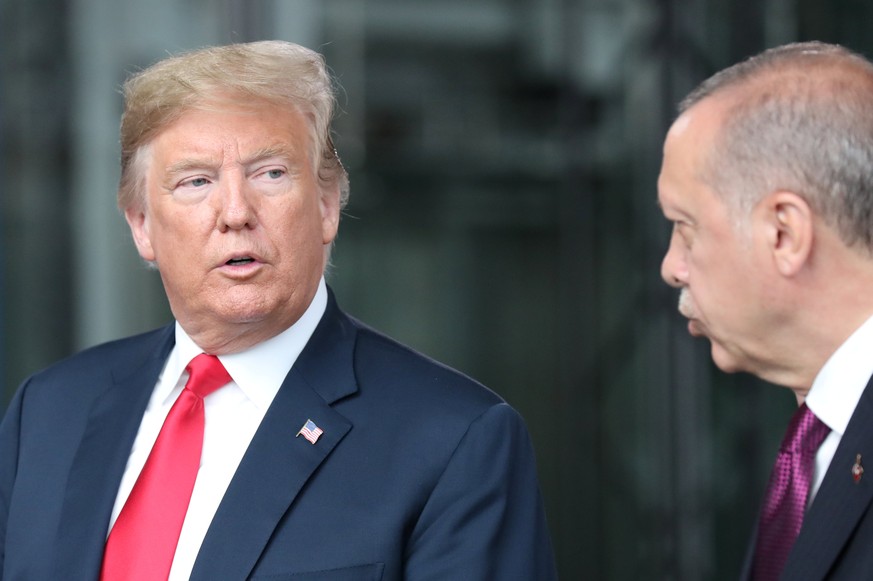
<point>421,473</point>
<point>836,539</point>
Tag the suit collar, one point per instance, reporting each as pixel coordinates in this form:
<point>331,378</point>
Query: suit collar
<point>326,363</point>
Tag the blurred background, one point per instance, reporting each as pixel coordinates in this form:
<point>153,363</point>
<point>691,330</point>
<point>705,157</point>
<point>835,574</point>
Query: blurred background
<point>503,158</point>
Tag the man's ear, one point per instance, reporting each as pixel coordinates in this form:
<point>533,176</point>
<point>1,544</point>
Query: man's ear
<point>329,204</point>
<point>790,233</point>
<point>139,228</point>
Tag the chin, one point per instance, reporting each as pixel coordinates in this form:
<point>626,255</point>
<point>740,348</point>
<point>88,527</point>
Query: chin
<point>236,309</point>
<point>724,360</point>
<point>246,314</point>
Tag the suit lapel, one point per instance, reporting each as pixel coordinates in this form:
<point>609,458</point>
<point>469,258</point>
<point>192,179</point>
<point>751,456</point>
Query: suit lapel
<point>101,459</point>
<point>278,463</point>
<point>840,502</point>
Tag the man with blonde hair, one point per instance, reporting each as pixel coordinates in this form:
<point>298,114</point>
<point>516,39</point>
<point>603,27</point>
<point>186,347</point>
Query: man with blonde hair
<point>265,434</point>
<point>767,178</point>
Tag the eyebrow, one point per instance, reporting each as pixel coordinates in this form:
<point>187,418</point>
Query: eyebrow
<point>189,164</point>
<point>184,165</point>
<point>677,213</point>
<point>278,150</point>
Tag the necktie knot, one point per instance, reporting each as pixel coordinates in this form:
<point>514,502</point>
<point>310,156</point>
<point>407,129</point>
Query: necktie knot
<point>205,375</point>
<point>805,432</point>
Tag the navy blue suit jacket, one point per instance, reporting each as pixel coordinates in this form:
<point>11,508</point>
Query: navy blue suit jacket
<point>421,473</point>
<point>836,539</point>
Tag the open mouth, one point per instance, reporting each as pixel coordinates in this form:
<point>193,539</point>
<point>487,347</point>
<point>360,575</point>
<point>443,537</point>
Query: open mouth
<point>239,261</point>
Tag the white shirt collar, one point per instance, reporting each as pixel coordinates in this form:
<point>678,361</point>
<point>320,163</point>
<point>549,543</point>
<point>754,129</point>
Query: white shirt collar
<point>258,371</point>
<point>840,383</point>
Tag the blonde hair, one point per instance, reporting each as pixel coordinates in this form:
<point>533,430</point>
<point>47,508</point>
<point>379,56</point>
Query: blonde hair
<point>277,72</point>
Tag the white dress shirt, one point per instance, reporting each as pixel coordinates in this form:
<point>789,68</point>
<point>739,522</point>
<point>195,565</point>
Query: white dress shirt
<point>836,391</point>
<point>233,414</point>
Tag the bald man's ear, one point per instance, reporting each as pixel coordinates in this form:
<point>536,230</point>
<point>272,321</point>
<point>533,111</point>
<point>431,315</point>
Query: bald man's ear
<point>790,231</point>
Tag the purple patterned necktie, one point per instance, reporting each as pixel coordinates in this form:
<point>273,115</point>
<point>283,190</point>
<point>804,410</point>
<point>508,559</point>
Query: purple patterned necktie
<point>787,492</point>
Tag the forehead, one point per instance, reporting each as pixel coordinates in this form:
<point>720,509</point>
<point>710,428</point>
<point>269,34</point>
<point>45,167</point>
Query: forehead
<point>687,148</point>
<point>235,126</point>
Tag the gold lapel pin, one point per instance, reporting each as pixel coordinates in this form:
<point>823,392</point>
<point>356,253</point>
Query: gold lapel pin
<point>857,469</point>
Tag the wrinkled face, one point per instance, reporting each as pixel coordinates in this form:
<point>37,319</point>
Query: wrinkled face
<point>236,220</point>
<point>716,264</point>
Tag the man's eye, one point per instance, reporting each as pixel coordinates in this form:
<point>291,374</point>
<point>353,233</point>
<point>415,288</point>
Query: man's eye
<point>195,182</point>
<point>680,229</point>
<point>275,173</point>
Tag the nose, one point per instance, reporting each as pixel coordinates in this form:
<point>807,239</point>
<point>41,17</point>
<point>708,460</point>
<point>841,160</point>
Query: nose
<point>236,209</point>
<point>674,269</point>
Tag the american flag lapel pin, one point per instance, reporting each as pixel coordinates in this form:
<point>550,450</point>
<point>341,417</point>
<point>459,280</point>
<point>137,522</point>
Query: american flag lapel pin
<point>857,469</point>
<point>310,431</point>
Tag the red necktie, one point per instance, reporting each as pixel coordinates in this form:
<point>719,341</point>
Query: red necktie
<point>787,493</point>
<point>143,540</point>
